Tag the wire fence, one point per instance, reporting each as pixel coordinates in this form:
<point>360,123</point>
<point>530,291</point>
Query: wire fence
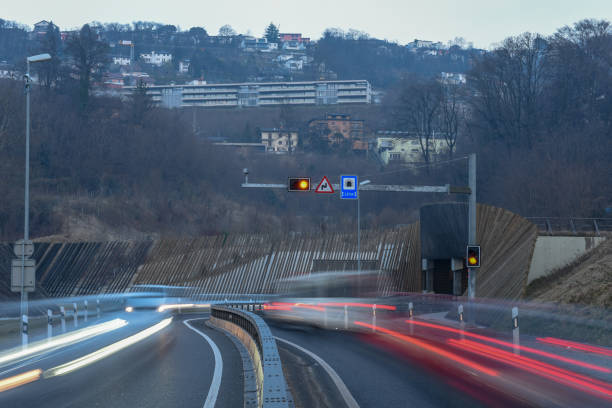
<point>572,225</point>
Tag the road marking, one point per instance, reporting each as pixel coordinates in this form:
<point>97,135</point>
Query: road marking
<point>344,391</point>
<point>213,392</point>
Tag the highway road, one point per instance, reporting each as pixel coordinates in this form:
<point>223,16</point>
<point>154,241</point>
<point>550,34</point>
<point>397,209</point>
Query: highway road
<point>174,367</point>
<point>438,366</point>
<point>374,376</point>
<point>162,360</point>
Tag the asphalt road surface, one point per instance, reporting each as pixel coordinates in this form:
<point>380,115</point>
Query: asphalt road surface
<point>172,368</point>
<point>375,375</point>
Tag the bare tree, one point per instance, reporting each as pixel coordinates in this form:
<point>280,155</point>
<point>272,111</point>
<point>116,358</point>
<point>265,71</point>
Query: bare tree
<point>227,31</point>
<point>89,56</point>
<point>452,115</point>
<point>140,102</point>
<point>418,111</point>
<point>509,83</point>
<point>51,43</point>
<point>580,58</point>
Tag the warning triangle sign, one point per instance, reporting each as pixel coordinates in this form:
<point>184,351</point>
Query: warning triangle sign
<point>324,186</point>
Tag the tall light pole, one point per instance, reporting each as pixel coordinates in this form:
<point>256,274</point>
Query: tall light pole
<point>363,183</point>
<point>26,221</point>
<point>472,222</point>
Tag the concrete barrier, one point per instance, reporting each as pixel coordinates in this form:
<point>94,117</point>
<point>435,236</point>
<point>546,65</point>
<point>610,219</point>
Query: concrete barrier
<point>255,335</point>
<point>552,253</point>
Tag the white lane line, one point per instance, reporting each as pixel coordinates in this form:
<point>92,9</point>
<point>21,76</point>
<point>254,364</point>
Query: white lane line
<point>344,391</point>
<point>213,392</point>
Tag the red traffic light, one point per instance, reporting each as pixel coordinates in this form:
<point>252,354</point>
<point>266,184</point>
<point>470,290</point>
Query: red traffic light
<point>473,256</point>
<point>298,184</point>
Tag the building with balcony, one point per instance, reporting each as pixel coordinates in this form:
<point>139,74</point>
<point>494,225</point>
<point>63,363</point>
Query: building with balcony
<point>340,124</point>
<point>279,140</point>
<point>41,28</point>
<point>155,58</point>
<point>121,61</point>
<point>252,94</point>
<point>341,130</point>
<point>404,147</point>
<point>257,44</point>
<point>293,46</point>
<point>184,66</point>
<point>285,37</point>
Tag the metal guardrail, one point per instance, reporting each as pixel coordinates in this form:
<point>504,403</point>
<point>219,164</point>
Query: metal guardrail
<point>275,394</point>
<point>572,225</point>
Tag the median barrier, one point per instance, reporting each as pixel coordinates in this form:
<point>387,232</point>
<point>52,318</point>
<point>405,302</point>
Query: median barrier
<point>252,331</point>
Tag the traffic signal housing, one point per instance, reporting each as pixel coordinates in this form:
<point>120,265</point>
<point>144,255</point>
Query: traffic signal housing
<point>298,184</point>
<point>473,256</point>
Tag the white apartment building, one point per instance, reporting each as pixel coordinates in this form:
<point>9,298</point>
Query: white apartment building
<point>121,61</point>
<point>251,94</point>
<point>156,59</point>
<point>184,66</point>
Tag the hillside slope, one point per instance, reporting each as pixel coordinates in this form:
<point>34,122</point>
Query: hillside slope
<point>587,281</point>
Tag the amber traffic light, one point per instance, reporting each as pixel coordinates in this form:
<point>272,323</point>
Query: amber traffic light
<point>473,256</point>
<point>298,184</point>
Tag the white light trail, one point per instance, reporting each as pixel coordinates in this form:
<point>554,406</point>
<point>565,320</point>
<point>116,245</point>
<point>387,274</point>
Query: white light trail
<point>19,379</point>
<point>105,351</point>
<point>163,308</point>
<point>63,340</point>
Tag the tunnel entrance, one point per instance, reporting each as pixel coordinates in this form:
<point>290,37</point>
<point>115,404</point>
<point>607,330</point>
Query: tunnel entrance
<point>442,277</point>
<point>443,243</point>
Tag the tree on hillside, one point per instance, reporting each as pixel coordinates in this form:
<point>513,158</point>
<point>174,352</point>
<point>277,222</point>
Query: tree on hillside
<point>13,41</point>
<point>140,103</point>
<point>580,62</point>
<point>227,31</point>
<point>197,34</point>
<point>452,114</point>
<point>510,81</point>
<point>272,33</point>
<point>316,138</point>
<point>418,111</point>
<point>51,44</point>
<point>89,55</point>
<point>353,34</point>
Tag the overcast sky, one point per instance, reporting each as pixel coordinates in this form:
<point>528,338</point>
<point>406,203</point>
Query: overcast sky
<point>484,22</point>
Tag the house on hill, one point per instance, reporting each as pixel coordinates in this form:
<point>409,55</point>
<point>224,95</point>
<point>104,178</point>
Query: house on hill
<point>297,37</point>
<point>341,128</point>
<point>156,58</point>
<point>279,140</point>
<point>257,44</point>
<point>41,27</point>
<point>405,147</point>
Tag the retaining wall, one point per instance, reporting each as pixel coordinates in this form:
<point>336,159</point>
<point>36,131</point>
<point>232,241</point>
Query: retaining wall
<point>554,252</point>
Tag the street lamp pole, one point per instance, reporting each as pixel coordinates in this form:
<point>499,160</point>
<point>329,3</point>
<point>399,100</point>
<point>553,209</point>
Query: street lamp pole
<point>26,217</point>
<point>363,183</point>
<point>358,234</point>
<point>26,221</point>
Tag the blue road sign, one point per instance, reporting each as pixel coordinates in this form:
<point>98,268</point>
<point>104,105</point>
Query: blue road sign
<point>348,187</point>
